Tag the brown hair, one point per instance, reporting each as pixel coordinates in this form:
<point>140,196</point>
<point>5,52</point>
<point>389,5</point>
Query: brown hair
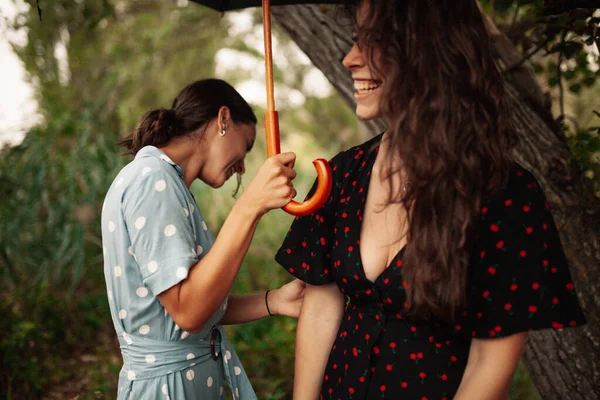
<point>194,107</point>
<point>443,96</point>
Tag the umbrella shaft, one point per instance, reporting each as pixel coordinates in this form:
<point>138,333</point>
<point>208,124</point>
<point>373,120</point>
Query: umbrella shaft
<point>268,54</point>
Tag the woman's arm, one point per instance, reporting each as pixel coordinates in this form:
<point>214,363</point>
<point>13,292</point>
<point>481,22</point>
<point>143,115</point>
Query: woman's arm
<point>287,301</point>
<point>491,365</point>
<point>194,300</point>
<point>318,325</point>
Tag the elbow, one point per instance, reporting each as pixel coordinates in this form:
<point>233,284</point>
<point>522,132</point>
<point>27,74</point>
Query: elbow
<point>190,323</point>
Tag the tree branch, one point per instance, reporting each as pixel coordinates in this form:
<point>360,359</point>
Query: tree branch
<point>533,52</point>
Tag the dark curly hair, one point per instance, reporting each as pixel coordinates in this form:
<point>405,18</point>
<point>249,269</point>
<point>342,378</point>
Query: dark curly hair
<point>444,99</point>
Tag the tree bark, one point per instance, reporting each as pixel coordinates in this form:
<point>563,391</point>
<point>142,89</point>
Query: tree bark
<point>562,364</point>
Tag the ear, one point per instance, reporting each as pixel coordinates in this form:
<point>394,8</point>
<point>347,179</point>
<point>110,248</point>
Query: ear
<point>224,118</point>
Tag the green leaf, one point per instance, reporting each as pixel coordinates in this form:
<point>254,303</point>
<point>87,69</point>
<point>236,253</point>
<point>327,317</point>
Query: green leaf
<point>575,87</point>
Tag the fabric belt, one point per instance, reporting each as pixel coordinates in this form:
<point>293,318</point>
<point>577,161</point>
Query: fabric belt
<point>145,358</point>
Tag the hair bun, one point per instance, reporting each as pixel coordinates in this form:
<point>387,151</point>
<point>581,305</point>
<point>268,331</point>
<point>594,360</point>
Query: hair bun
<point>164,122</point>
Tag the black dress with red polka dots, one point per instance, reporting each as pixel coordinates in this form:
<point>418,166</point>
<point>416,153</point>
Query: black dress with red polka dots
<point>519,280</point>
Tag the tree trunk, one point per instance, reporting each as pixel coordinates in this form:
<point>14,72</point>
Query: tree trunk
<point>562,364</point>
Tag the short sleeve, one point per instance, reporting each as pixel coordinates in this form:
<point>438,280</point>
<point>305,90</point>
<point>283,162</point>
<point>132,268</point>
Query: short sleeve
<point>520,279</point>
<point>160,229</point>
<point>306,249</point>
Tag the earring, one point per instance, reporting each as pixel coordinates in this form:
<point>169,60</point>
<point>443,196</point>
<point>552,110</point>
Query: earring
<point>222,133</point>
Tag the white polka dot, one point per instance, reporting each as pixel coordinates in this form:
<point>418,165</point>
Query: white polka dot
<point>186,212</point>
<point>109,294</point>
<point>170,230</point>
<point>142,292</point>
<point>117,271</point>
<point>140,222</point>
<point>144,329</point>
<point>111,226</point>
<point>237,393</point>
<point>150,359</point>
<point>181,272</point>
<point>185,334</point>
<point>209,381</point>
<point>164,389</point>
<point>189,374</point>
<point>199,250</point>
<point>130,250</point>
<point>127,338</point>
<point>237,370</point>
<point>194,250</point>
<point>190,356</point>
<point>144,172</point>
<point>131,375</point>
<point>104,251</point>
<point>221,391</point>
<point>228,355</point>
<point>177,327</point>
<point>167,398</point>
<point>160,185</point>
<point>123,314</point>
<point>204,226</point>
<point>152,266</point>
<point>119,182</point>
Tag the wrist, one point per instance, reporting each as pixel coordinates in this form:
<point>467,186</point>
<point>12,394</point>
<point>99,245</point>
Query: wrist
<point>272,302</point>
<point>247,209</point>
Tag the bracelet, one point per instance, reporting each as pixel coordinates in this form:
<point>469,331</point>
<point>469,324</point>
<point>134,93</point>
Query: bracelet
<point>267,302</point>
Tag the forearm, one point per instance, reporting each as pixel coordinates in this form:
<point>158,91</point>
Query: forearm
<point>484,383</point>
<point>320,318</point>
<point>245,308</point>
<point>491,365</point>
<point>211,280</point>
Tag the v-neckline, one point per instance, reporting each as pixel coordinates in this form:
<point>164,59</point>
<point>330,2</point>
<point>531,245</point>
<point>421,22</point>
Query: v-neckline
<point>362,208</point>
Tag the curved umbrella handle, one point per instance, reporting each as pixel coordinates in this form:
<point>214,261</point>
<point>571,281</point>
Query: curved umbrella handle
<point>321,165</point>
<point>272,131</point>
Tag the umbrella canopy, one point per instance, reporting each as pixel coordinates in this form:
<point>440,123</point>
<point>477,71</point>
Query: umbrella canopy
<point>229,5</point>
<point>271,118</point>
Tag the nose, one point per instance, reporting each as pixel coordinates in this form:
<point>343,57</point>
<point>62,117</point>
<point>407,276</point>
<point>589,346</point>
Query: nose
<point>354,58</point>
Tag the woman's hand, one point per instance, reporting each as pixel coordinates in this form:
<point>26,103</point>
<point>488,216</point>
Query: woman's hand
<point>287,300</point>
<point>271,188</point>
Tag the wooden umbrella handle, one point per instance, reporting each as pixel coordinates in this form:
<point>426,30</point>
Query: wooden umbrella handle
<point>272,132</point>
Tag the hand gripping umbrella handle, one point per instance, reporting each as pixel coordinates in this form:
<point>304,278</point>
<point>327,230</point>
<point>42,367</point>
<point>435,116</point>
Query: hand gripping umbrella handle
<point>272,131</point>
<point>321,165</point>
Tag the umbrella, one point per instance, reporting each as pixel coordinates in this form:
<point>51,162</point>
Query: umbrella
<point>271,118</point>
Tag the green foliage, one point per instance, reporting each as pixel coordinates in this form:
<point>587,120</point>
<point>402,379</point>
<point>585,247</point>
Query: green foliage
<point>564,51</point>
<point>50,244</point>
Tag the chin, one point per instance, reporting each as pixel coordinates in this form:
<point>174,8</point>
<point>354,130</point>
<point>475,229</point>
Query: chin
<point>366,113</point>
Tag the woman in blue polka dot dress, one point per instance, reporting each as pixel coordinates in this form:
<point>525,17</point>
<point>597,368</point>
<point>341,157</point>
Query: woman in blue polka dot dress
<point>168,282</point>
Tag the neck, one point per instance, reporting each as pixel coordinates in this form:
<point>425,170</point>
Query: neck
<point>186,155</point>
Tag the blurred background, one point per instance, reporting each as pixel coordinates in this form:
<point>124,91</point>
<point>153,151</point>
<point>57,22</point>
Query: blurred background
<point>72,84</point>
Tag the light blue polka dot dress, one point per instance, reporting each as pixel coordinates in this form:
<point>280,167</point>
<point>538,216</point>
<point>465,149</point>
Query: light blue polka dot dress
<point>152,234</point>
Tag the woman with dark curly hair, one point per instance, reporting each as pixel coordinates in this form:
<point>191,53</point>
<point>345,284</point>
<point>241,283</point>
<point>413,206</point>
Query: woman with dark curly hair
<point>435,253</point>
